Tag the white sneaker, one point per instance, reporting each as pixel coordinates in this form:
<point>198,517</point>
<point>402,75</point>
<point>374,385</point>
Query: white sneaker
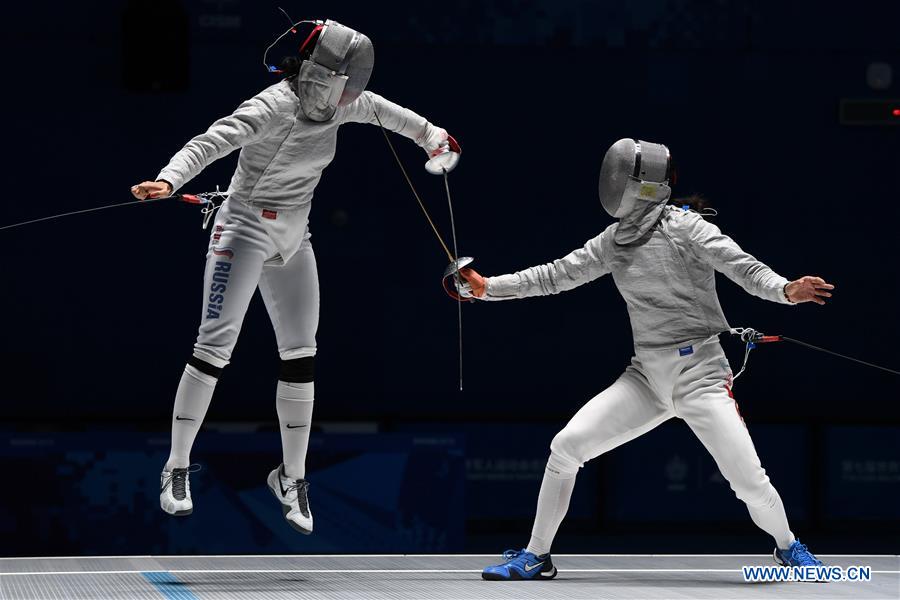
<point>292,493</point>
<point>175,491</point>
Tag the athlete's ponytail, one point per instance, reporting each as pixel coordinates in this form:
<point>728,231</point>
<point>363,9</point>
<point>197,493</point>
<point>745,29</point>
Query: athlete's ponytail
<point>695,202</point>
<point>290,66</point>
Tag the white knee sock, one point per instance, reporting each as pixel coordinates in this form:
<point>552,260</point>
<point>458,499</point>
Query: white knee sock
<point>771,518</point>
<point>553,502</point>
<point>294,402</point>
<point>191,401</point>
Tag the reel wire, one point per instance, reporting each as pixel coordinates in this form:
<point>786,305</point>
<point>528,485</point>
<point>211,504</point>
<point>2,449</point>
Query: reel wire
<point>206,198</point>
<point>837,354</point>
<point>81,212</point>
<point>456,276</point>
<point>752,338</point>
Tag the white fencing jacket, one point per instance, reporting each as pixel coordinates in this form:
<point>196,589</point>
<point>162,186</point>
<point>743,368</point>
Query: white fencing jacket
<point>667,277</point>
<point>283,153</point>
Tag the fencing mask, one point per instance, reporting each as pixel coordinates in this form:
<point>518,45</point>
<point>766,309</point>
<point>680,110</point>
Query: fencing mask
<point>336,71</point>
<point>634,185</point>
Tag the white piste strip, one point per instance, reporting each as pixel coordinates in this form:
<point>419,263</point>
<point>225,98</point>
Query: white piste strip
<point>356,571</point>
<point>167,556</point>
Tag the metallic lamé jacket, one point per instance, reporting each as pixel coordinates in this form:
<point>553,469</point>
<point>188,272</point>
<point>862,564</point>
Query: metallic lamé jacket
<point>283,153</point>
<point>667,277</point>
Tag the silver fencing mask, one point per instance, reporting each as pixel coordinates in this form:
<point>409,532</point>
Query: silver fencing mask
<point>634,186</point>
<point>336,72</point>
<point>634,171</point>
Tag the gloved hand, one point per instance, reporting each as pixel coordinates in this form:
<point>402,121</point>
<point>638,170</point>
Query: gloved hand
<point>443,152</point>
<point>474,284</point>
<point>436,139</point>
<point>151,189</point>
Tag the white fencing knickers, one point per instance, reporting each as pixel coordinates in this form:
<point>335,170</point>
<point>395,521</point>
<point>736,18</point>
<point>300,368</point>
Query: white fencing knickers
<point>246,253</point>
<point>691,382</point>
<point>247,250</point>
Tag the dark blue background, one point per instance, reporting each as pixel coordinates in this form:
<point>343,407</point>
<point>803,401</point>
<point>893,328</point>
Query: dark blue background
<point>100,311</point>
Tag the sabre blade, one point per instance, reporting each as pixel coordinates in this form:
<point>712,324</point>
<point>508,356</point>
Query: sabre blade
<point>454,261</point>
<point>451,257</point>
<point>456,276</point>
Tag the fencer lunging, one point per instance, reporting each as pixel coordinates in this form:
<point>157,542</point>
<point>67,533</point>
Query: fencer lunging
<point>287,135</point>
<point>663,260</point>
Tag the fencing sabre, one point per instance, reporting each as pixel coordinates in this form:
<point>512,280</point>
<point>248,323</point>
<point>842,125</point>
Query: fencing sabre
<point>752,338</point>
<point>205,199</point>
<point>441,162</point>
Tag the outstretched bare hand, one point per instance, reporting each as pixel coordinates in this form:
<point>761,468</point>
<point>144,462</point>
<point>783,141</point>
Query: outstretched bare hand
<point>808,289</point>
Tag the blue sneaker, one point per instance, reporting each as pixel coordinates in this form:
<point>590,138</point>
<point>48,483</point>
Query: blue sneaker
<point>797,555</point>
<point>521,565</point>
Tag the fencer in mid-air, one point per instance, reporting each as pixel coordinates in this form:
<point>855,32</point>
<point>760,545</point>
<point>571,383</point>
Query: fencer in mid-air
<point>287,135</point>
<point>663,259</point>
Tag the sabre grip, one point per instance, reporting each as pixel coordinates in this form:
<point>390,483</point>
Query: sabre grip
<point>189,198</point>
<point>767,339</point>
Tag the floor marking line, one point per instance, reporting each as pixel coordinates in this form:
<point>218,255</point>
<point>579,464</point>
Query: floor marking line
<point>358,571</point>
<point>169,586</point>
